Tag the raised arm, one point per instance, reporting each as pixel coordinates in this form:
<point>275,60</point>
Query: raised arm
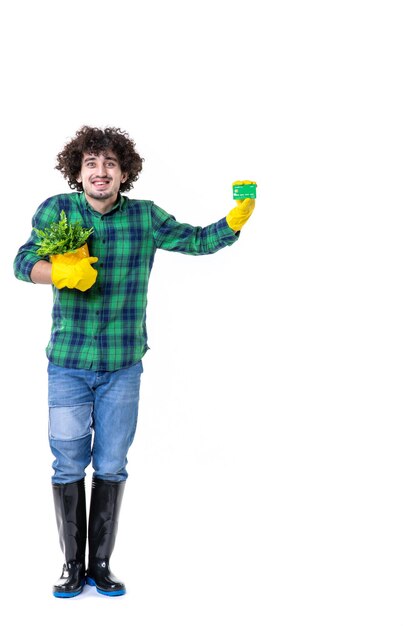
<point>172,235</point>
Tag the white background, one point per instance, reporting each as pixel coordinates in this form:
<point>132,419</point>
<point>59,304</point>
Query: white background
<point>273,478</point>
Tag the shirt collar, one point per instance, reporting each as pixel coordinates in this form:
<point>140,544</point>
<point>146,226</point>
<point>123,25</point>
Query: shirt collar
<point>120,204</point>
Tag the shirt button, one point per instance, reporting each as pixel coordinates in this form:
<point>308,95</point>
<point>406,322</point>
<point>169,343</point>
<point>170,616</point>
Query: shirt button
<point>103,241</point>
<point>97,312</point>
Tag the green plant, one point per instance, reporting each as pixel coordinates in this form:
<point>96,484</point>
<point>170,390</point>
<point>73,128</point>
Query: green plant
<point>61,237</point>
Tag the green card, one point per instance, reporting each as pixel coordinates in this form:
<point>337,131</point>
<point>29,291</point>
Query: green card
<point>240,192</point>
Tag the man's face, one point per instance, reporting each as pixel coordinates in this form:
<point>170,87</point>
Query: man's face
<point>101,175</point>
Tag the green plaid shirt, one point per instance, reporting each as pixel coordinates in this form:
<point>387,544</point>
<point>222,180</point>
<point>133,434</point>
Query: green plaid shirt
<point>104,328</point>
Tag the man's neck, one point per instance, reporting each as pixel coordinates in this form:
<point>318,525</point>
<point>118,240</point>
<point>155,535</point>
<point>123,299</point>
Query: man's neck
<point>102,206</point>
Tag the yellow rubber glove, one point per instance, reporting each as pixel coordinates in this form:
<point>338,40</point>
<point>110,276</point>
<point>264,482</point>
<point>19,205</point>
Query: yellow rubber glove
<point>73,269</point>
<point>240,214</point>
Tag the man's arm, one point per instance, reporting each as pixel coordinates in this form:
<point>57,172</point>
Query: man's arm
<point>27,257</point>
<point>42,273</point>
<point>172,235</point>
<point>195,240</point>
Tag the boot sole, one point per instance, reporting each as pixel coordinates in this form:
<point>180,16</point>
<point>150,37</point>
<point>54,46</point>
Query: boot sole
<point>92,583</point>
<point>68,594</point>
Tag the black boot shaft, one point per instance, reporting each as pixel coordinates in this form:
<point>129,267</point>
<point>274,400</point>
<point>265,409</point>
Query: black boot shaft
<point>71,519</point>
<point>106,500</point>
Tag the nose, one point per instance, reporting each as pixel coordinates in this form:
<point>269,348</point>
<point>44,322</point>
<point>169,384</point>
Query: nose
<point>101,169</point>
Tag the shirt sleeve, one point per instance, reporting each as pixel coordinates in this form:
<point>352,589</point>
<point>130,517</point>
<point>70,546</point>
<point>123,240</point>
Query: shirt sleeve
<point>27,256</point>
<point>197,240</point>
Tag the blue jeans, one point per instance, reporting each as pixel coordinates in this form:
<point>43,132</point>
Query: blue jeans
<point>83,403</point>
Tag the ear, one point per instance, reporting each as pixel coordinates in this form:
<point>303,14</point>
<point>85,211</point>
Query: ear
<point>79,179</point>
<point>124,178</point>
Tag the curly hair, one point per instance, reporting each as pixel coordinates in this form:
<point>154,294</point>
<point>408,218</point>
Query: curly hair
<point>96,141</point>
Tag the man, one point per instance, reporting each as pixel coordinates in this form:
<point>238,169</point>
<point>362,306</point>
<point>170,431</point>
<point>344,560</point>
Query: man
<point>99,338</point>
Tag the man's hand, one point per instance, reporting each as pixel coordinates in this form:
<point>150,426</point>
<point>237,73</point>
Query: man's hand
<point>73,269</point>
<point>240,214</point>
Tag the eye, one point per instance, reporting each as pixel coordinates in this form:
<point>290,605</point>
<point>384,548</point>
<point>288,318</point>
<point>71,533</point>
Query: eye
<point>90,164</point>
<point>110,163</point>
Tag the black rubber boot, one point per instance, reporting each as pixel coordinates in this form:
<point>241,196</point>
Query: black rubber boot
<point>71,519</point>
<point>106,499</point>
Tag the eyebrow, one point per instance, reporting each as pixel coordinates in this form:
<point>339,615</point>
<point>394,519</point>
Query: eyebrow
<point>93,157</point>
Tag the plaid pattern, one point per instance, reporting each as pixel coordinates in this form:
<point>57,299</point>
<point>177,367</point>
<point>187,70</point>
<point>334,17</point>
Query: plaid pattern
<point>104,328</point>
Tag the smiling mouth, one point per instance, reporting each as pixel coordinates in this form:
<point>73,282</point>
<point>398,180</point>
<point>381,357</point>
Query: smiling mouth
<point>101,183</point>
